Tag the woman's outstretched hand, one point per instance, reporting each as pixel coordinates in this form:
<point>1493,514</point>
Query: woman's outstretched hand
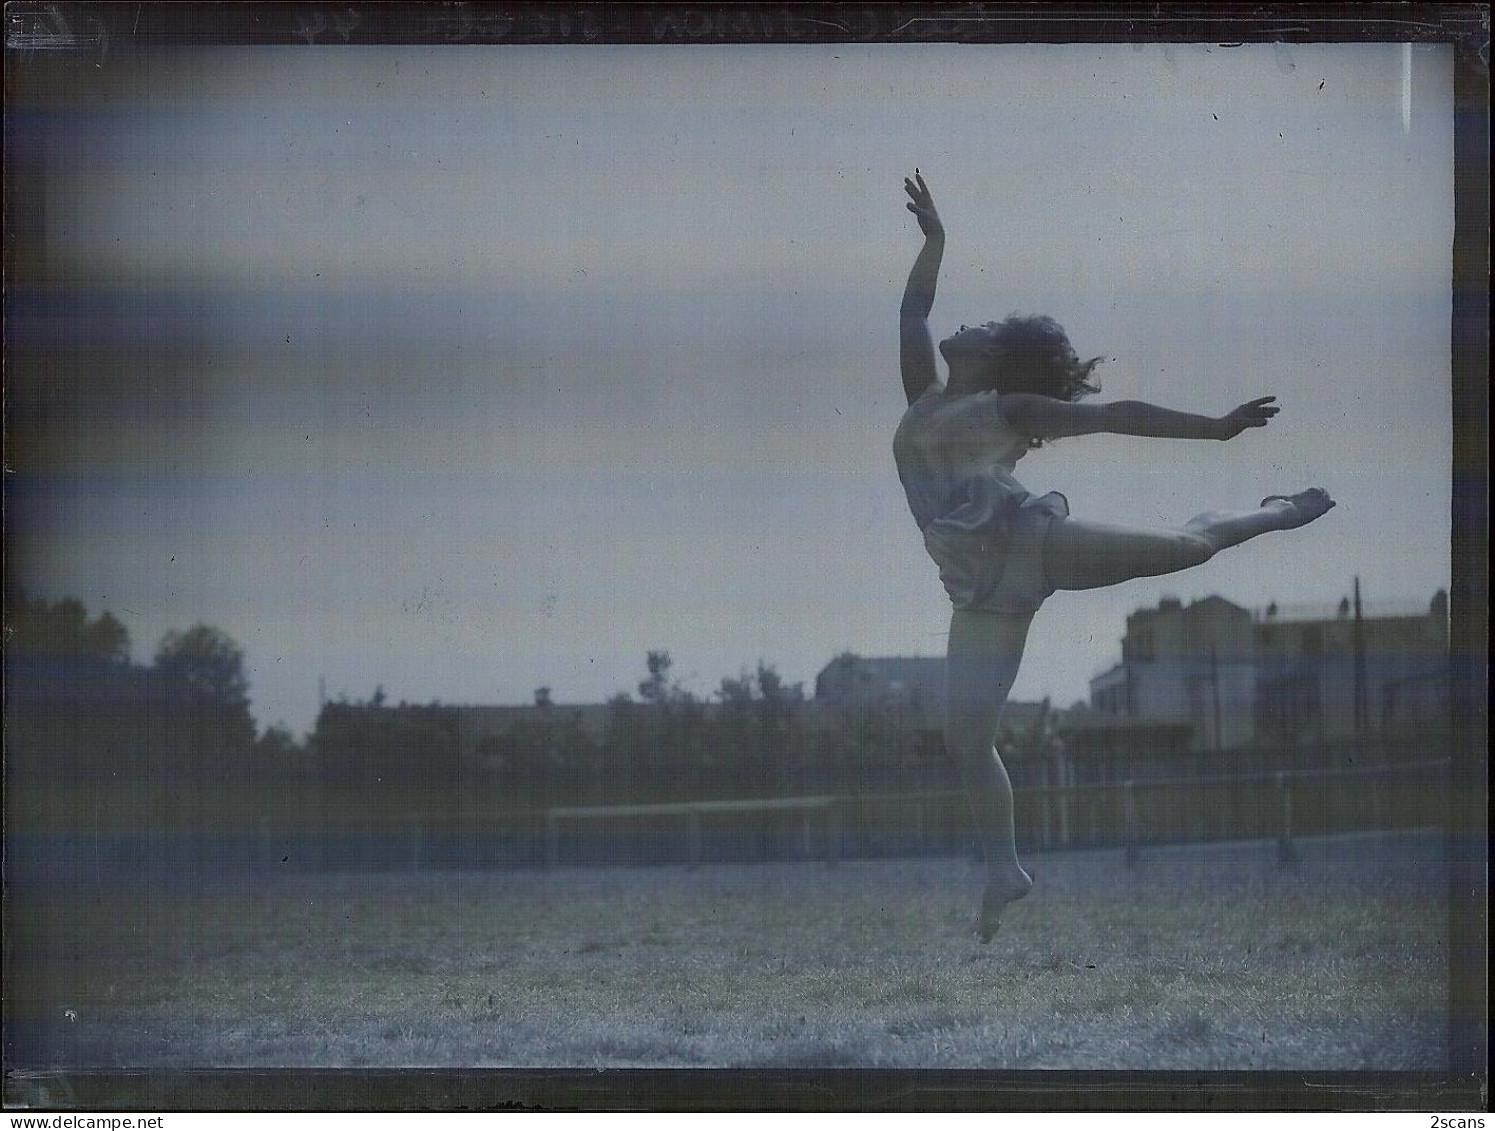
<point>921,204</point>
<point>1252,414</point>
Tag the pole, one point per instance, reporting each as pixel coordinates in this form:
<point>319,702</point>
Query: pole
<point>1129,819</point>
<point>693,835</point>
<point>1287,851</point>
<point>1359,644</point>
<point>833,832</point>
<point>552,840</point>
<point>1214,675</point>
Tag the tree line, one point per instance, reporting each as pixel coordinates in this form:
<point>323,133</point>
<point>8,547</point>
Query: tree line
<point>164,757</point>
<point>753,737</point>
<point>110,759</point>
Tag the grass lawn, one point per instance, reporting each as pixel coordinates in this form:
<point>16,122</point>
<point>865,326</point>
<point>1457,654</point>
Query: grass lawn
<point>1204,957</point>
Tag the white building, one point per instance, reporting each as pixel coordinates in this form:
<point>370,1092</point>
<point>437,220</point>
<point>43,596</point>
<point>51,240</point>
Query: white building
<point>1281,675</point>
<point>1191,664</point>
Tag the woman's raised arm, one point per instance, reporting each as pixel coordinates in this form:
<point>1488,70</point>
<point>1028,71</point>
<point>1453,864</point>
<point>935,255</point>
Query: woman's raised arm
<point>915,345</point>
<point>1048,418</point>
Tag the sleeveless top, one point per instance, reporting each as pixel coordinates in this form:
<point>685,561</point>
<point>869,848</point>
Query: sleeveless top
<point>956,457</point>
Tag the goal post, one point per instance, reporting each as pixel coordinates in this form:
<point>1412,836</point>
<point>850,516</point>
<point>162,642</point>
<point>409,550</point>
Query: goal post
<point>821,809</point>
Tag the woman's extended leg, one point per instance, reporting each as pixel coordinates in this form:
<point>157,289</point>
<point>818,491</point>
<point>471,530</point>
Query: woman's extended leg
<point>1087,555</point>
<point>985,650</point>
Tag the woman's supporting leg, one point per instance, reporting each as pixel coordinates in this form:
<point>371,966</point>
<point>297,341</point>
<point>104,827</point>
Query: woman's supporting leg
<point>1087,555</point>
<point>985,651</point>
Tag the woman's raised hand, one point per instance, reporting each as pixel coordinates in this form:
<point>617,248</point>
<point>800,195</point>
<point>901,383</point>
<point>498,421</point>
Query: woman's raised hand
<point>921,204</point>
<point>1252,414</point>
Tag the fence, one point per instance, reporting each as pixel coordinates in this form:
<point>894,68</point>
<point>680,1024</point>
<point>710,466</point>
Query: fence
<point>695,814</point>
<point>1280,805</point>
<point>1260,803</point>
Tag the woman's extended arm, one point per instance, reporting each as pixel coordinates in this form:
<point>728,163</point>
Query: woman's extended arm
<point>915,346</point>
<point>1048,418</point>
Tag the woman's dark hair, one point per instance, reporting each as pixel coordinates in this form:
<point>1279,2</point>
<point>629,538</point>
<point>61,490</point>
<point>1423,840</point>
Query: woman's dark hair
<point>1032,354</point>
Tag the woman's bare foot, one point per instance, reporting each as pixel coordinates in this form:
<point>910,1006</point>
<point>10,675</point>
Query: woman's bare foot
<point>1006,885</point>
<point>1302,508</point>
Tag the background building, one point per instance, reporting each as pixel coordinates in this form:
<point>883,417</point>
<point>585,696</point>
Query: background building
<point>914,684</point>
<point>1331,675</point>
<point>1191,665</point>
<point>1282,675</point>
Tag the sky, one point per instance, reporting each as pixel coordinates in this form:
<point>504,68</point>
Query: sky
<point>464,371</point>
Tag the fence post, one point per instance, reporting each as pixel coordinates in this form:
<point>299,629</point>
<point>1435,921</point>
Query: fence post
<point>1129,823</point>
<point>693,837</point>
<point>833,832</point>
<point>552,840</point>
<point>1287,851</point>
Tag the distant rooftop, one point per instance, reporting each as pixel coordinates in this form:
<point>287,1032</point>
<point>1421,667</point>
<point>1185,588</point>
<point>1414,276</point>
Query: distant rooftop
<point>1343,609</point>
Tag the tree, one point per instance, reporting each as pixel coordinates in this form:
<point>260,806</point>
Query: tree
<point>649,745</point>
<point>63,631</point>
<point>657,688</point>
<point>107,639</point>
<point>201,672</point>
<point>278,749</point>
<point>623,745</point>
<point>77,718</point>
<point>206,663</point>
<point>755,730</point>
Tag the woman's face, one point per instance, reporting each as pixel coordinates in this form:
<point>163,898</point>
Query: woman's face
<point>970,341</point>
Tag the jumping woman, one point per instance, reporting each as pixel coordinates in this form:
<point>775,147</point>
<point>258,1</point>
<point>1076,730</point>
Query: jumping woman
<point>1001,550</point>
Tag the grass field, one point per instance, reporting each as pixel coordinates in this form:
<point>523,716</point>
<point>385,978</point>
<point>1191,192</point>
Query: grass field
<point>1207,957</point>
